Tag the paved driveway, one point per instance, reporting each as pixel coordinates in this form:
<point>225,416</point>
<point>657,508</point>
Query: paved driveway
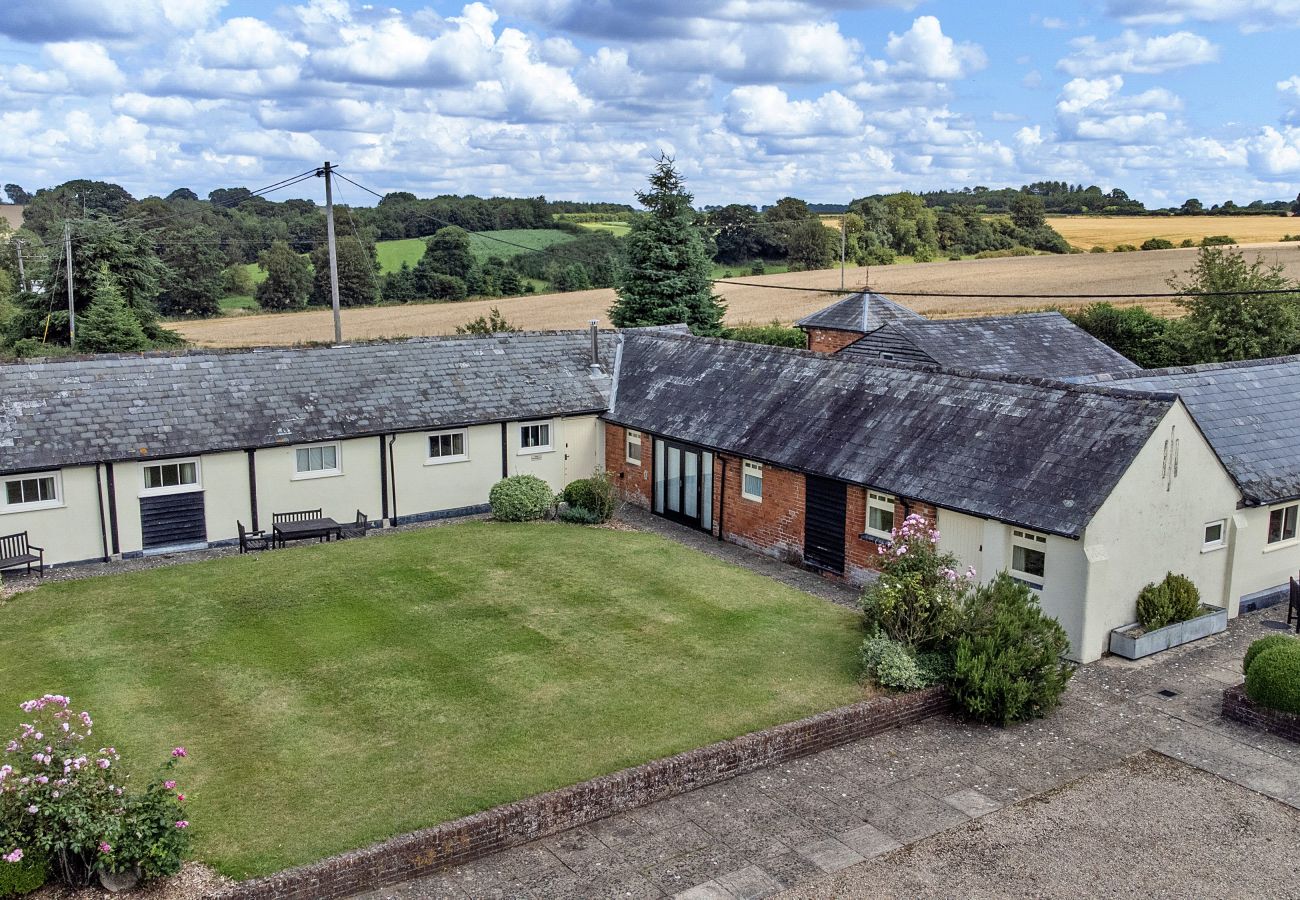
<point>789,826</point>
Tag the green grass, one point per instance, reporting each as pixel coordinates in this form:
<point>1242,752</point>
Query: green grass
<point>618,229</point>
<point>409,250</point>
<point>333,695</point>
<point>741,270</point>
<point>236,302</point>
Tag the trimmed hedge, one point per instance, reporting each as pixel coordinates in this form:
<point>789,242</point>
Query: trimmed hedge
<point>1274,678</point>
<point>1259,646</point>
<point>24,876</point>
<point>520,498</point>
<point>593,496</point>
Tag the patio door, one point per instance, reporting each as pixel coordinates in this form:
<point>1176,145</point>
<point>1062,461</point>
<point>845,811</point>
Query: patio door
<point>683,483</point>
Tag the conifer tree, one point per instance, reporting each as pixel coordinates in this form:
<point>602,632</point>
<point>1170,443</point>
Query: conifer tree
<point>666,266</point>
<point>108,325</point>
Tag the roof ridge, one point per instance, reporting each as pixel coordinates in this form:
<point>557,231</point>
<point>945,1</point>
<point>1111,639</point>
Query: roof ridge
<point>935,368</point>
<point>1202,367</point>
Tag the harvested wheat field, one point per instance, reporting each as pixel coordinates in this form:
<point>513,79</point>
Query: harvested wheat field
<point>1086,232</point>
<point>758,301</point>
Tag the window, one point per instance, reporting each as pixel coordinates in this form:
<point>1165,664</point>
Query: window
<point>1214,535</point>
<point>751,487</point>
<point>31,492</point>
<point>1281,524</point>
<point>447,446</point>
<point>535,437</point>
<point>880,515</point>
<point>319,461</point>
<point>1028,556</point>
<point>633,454</point>
<point>171,477</point>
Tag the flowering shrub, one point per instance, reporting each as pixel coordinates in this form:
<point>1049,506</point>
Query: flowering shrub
<point>65,801</point>
<point>917,599</point>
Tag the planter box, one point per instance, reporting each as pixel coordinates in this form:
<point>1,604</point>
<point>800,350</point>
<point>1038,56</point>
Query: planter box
<point>1124,643</point>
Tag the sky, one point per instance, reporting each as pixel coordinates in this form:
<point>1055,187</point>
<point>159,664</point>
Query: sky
<point>827,100</point>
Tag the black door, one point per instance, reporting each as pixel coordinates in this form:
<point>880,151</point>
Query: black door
<point>823,530</point>
<point>169,520</point>
<point>683,477</point>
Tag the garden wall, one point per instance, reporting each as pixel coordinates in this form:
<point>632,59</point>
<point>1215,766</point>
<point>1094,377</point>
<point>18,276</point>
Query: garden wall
<point>473,837</point>
<point>1240,708</point>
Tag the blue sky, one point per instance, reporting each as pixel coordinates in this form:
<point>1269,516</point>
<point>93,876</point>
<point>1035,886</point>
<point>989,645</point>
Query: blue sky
<point>757,99</point>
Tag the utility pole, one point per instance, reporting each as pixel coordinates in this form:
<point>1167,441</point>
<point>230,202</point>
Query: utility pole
<point>22,273</point>
<point>334,257</point>
<point>843,241</point>
<point>72,310</point>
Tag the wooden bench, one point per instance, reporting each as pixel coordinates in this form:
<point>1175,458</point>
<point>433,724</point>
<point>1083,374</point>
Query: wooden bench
<point>15,550</point>
<point>302,515</point>
<point>1293,605</point>
<point>358,529</point>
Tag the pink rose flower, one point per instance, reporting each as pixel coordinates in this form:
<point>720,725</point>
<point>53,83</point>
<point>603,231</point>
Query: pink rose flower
<point>169,784</point>
<point>178,753</point>
<point>14,857</point>
<point>105,847</point>
<point>182,824</point>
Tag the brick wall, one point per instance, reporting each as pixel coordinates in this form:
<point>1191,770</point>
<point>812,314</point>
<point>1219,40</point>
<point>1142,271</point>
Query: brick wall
<point>774,526</point>
<point>631,481</point>
<point>1240,708</point>
<point>861,556</point>
<point>474,837</point>
<point>824,340</point>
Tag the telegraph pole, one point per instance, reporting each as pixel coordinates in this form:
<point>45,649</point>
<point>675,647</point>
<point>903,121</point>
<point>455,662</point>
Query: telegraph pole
<point>843,240</point>
<point>72,310</point>
<point>334,257</point>
<point>22,273</point>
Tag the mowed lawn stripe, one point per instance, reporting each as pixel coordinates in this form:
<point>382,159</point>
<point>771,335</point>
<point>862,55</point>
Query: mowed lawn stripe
<point>334,695</point>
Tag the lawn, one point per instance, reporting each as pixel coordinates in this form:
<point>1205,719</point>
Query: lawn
<point>393,253</point>
<point>333,695</point>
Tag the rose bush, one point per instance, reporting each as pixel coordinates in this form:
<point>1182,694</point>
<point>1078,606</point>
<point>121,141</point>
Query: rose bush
<point>917,598</point>
<point>63,800</point>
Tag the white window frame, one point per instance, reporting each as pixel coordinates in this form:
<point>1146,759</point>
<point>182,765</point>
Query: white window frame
<point>881,501</point>
<point>1282,540</point>
<point>1028,540</point>
<point>550,437</point>
<point>753,469</point>
<point>1218,543</point>
<point>462,456</point>
<point>146,491</point>
<point>31,506</point>
<point>633,438</point>
<point>319,473</point>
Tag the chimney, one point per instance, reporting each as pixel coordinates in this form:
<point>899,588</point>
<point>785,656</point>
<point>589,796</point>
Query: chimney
<point>595,348</point>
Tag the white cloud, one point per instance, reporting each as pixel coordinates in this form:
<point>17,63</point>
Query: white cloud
<point>1132,54</point>
<point>924,52</point>
<point>1093,109</point>
<point>391,52</point>
<point>247,43</point>
<point>766,110</point>
<point>1248,15</point>
<point>1275,152</point>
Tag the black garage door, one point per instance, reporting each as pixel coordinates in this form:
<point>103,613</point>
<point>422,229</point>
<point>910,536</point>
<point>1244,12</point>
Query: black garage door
<point>823,533</point>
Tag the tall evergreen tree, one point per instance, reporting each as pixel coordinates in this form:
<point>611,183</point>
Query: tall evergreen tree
<point>666,266</point>
<point>192,283</point>
<point>108,325</point>
<point>288,278</point>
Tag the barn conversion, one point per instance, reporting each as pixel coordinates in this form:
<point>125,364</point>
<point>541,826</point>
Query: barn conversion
<point>1085,491</point>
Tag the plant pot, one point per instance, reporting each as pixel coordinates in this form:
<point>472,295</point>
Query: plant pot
<point>1130,645</point>
<point>116,882</point>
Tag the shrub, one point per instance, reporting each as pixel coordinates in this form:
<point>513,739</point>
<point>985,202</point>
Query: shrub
<point>1007,666</point>
<point>1157,243</point>
<point>23,876</point>
<point>62,801</point>
<point>1097,248</point>
<point>1259,646</point>
<point>916,598</point>
<point>1218,240</point>
<point>775,334</point>
<point>893,665</point>
<point>1187,242</point>
<point>1124,248</point>
<point>576,515</point>
<point>520,498</point>
<point>594,495</point>
<point>1274,678</point>
<point>757,268</point>
<point>1175,599</point>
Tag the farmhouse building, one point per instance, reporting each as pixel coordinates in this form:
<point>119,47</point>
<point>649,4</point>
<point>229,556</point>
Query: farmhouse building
<point>1085,491</point>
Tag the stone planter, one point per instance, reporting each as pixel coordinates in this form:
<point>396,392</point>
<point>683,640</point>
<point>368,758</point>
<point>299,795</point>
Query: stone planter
<point>1124,642</point>
<point>116,882</point>
<point>1240,708</point>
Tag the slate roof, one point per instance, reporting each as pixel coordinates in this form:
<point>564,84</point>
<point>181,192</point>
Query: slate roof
<point>1032,452</point>
<point>67,412</point>
<point>1041,344</point>
<point>859,312</point>
<point>1250,414</point>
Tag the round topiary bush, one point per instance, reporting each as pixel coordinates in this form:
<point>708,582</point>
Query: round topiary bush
<point>594,496</point>
<point>520,498</point>
<point>22,876</point>
<point>1274,678</point>
<point>1264,643</point>
<point>1183,597</point>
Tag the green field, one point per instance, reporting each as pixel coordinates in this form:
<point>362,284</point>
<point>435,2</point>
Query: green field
<point>618,229</point>
<point>393,253</point>
<point>742,270</point>
<point>333,695</point>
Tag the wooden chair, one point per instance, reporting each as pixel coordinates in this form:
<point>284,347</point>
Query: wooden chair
<point>1293,605</point>
<point>301,515</point>
<point>16,550</point>
<point>252,540</point>
<point>358,528</point>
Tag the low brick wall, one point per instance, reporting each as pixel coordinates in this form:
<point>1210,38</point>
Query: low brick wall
<point>482,834</point>
<point>1240,708</point>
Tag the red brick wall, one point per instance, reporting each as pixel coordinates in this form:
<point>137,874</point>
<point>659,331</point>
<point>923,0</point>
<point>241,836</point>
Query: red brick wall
<point>631,481</point>
<point>860,553</point>
<point>824,340</point>
<point>774,526</point>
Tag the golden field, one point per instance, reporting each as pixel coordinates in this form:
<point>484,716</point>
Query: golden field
<point>1086,232</point>
<point>761,299</point>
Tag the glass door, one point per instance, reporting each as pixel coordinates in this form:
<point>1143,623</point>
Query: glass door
<point>683,483</point>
